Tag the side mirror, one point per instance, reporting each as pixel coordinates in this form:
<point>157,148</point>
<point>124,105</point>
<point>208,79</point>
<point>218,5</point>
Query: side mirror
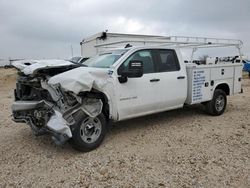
<point>135,70</point>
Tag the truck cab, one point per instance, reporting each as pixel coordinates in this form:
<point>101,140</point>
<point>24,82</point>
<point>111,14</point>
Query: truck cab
<point>161,69</point>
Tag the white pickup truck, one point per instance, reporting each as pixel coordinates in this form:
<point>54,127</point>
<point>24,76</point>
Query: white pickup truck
<point>76,102</point>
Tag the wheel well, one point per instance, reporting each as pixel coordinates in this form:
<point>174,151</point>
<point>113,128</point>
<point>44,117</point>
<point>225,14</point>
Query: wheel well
<point>105,108</point>
<point>224,87</point>
<point>98,95</point>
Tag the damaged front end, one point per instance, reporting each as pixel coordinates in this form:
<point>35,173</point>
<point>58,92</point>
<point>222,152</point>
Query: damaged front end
<point>48,108</point>
<point>42,119</point>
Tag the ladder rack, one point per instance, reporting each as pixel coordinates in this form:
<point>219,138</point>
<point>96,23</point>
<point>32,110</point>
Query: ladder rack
<point>178,41</point>
<point>104,40</point>
<point>183,42</point>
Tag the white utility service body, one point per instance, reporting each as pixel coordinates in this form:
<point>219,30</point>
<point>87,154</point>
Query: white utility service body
<point>203,79</point>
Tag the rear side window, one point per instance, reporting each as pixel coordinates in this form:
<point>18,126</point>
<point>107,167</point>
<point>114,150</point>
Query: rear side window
<point>168,61</point>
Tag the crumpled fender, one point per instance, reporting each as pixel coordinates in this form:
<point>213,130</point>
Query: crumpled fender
<point>81,79</point>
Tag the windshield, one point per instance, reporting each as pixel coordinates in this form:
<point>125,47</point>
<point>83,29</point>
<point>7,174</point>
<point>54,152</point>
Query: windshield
<point>75,59</point>
<point>105,60</point>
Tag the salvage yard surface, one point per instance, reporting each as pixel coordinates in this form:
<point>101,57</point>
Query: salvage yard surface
<point>180,148</point>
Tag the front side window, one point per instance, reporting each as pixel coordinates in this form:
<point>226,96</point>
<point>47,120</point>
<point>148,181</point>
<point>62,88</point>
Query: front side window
<point>168,61</point>
<point>143,55</point>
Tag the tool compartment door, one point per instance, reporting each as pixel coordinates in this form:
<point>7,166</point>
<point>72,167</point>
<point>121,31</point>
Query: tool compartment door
<point>199,86</point>
<point>221,73</point>
<point>237,79</point>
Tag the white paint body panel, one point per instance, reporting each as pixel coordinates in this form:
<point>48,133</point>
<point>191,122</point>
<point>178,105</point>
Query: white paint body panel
<point>139,96</point>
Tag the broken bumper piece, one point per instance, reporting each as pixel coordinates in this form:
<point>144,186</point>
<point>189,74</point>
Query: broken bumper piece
<point>59,126</point>
<point>56,125</point>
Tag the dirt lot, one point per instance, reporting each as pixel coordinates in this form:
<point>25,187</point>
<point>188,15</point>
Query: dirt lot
<point>181,148</point>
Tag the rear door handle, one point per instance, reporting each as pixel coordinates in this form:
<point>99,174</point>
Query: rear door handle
<point>155,80</point>
<point>181,77</point>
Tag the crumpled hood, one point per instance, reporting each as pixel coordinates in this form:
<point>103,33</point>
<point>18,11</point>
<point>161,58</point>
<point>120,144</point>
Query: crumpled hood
<point>21,64</point>
<point>31,66</point>
<point>82,79</point>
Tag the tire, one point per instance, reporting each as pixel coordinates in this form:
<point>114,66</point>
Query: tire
<point>88,133</point>
<point>218,104</point>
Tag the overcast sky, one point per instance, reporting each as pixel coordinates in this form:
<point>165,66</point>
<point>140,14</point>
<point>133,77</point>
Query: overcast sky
<point>47,28</point>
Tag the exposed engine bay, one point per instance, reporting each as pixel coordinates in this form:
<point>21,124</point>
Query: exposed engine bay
<point>49,108</point>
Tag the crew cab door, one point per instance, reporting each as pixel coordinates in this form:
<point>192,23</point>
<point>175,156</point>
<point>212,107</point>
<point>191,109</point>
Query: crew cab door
<point>172,87</point>
<point>157,90</point>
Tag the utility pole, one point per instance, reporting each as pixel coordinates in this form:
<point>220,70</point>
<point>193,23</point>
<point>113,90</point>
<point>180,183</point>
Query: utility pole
<point>72,51</point>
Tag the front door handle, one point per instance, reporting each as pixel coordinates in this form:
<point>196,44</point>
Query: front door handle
<point>181,77</point>
<point>155,80</point>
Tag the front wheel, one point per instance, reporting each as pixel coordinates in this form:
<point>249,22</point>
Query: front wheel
<point>218,104</point>
<point>88,133</point>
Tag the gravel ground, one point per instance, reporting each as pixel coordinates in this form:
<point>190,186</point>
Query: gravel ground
<point>180,148</point>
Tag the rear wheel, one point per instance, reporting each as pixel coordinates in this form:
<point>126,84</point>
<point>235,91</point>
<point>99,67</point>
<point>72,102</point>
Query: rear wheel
<point>88,133</point>
<point>218,104</point>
